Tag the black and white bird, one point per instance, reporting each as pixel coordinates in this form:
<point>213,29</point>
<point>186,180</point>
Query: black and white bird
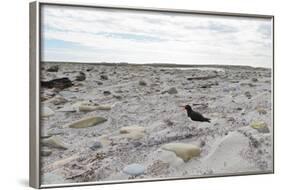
<point>195,116</point>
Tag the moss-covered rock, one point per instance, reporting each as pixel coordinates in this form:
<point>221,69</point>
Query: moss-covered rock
<point>260,126</point>
<point>53,142</point>
<point>87,122</point>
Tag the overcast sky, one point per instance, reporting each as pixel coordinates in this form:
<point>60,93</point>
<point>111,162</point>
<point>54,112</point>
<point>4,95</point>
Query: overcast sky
<point>102,35</point>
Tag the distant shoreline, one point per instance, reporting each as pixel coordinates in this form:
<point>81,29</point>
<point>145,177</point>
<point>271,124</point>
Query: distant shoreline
<point>156,64</point>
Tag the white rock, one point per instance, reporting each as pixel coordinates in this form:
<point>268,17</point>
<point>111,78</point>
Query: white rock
<point>133,132</point>
<point>46,111</point>
<point>169,157</point>
<point>182,150</point>
<point>132,129</point>
<point>134,169</point>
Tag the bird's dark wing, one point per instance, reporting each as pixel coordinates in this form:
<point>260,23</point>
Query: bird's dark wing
<point>195,116</point>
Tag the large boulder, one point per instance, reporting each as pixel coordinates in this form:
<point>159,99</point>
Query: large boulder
<point>59,83</point>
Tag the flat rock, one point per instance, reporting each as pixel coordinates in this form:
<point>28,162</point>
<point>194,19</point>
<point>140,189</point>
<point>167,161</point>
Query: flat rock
<point>45,152</point>
<point>261,111</point>
<point>133,132</point>
<point>59,83</point>
<point>172,90</point>
<point>53,142</point>
<point>169,157</point>
<point>134,169</point>
<point>260,126</point>
<point>131,129</point>
<point>46,111</point>
<point>87,122</point>
<point>88,108</point>
<point>182,150</point>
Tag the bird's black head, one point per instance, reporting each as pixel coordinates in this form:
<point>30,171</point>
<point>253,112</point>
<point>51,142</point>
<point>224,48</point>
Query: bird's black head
<point>188,108</point>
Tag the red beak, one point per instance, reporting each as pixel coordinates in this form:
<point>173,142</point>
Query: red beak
<point>182,107</point>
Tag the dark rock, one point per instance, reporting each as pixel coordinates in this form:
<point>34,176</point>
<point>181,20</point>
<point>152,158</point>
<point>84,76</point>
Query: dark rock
<point>60,83</point>
<point>136,143</point>
<point>201,78</point>
<point>99,82</point>
<point>106,93</point>
<point>81,76</point>
<point>118,97</point>
<point>206,86</point>
<point>254,80</point>
<point>104,77</point>
<point>96,145</point>
<point>172,90</point>
<point>169,122</point>
<point>53,68</point>
<point>142,83</point>
<point>248,95</point>
<point>202,143</point>
<point>45,152</point>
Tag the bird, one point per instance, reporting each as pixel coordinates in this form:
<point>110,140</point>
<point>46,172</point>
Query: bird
<point>195,116</point>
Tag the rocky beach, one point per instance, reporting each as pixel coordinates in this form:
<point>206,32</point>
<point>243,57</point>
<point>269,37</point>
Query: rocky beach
<point>112,122</point>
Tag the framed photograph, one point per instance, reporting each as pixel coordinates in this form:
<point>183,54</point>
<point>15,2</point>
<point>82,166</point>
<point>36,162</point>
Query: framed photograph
<point>126,94</point>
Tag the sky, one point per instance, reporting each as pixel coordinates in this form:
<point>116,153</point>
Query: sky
<point>84,34</point>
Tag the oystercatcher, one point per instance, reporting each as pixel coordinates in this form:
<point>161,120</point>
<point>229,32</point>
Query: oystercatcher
<point>195,116</point>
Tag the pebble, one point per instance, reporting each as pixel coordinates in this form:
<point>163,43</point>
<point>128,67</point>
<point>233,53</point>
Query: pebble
<point>81,76</point>
<point>261,111</point>
<point>142,83</point>
<point>134,169</point>
<point>248,95</point>
<point>53,68</point>
<point>104,77</point>
<point>106,93</point>
<point>96,145</point>
<point>254,80</point>
<point>172,90</point>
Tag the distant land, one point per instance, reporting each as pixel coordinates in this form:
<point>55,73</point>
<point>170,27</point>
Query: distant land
<point>157,64</point>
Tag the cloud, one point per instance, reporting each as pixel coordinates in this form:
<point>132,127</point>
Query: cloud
<point>91,34</point>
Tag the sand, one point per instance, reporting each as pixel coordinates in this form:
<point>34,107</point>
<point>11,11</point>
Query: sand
<point>146,99</point>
